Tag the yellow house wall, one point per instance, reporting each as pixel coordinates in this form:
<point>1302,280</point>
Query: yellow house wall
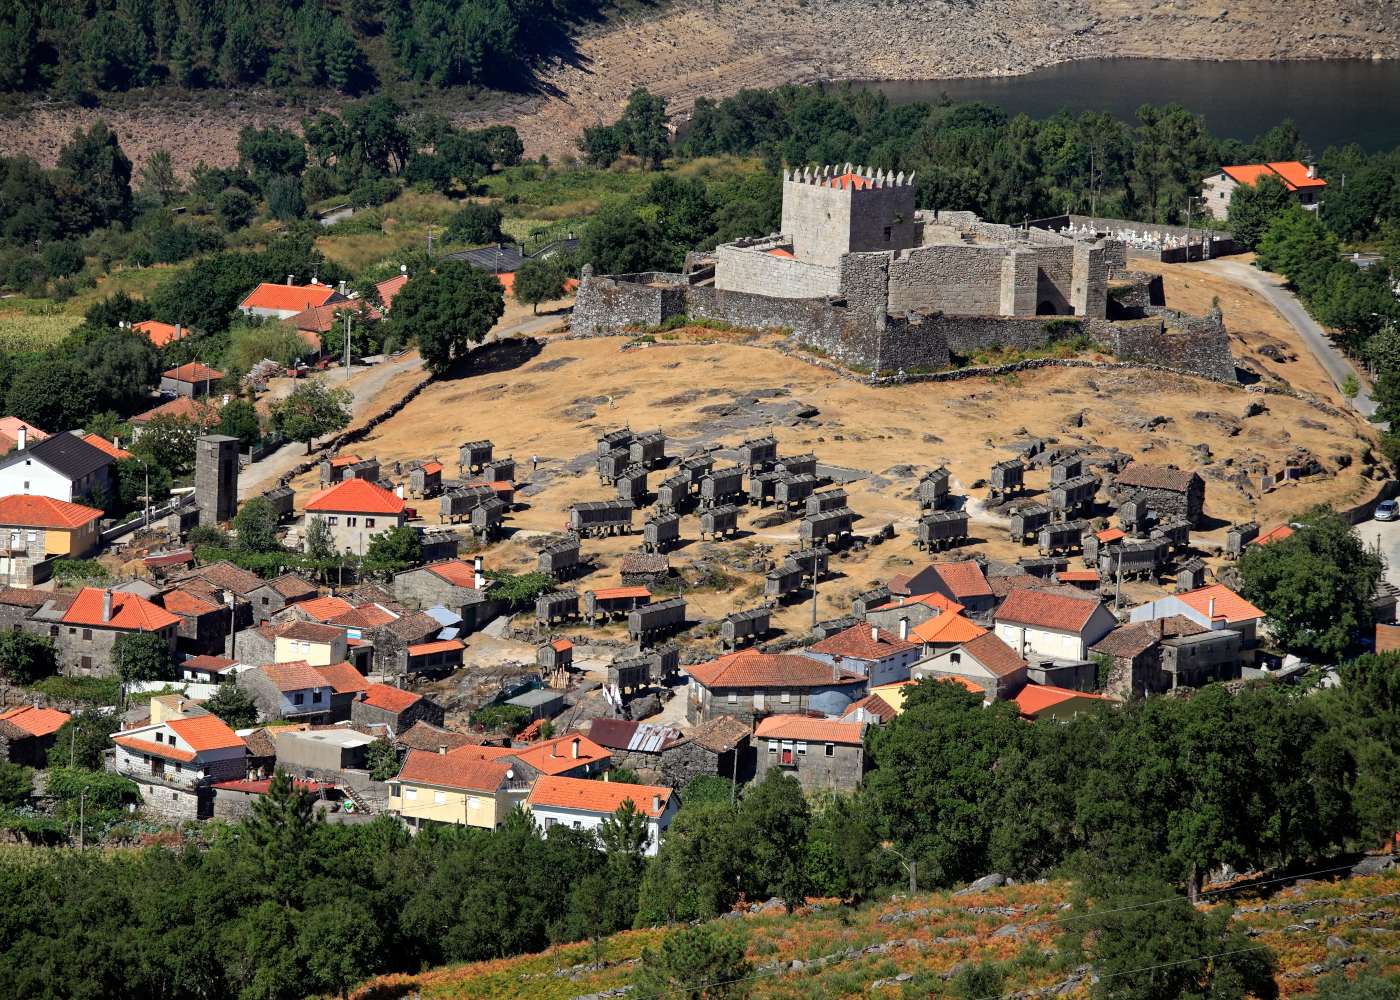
<point>317,654</point>
<point>455,808</point>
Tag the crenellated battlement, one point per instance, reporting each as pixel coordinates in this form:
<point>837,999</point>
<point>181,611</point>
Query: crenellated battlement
<point>848,178</point>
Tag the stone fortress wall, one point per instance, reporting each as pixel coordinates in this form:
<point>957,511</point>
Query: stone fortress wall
<point>858,276</point>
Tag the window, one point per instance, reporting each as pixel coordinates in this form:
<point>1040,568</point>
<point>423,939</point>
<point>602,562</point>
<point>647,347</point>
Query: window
<point>87,635</point>
<point>316,695</point>
<point>888,233</point>
<point>802,749</point>
<point>33,536</point>
<point>439,798</point>
<point>332,520</point>
<point>410,793</point>
<point>831,749</point>
<point>955,657</point>
<point>160,738</point>
<point>473,802</point>
<point>350,522</point>
<point>578,825</point>
<point>85,662</point>
<point>772,746</point>
<point>298,698</point>
<point>369,522</point>
<point>549,822</point>
<point>53,631</point>
<point>733,697</point>
<point>72,631</point>
<point>178,766</point>
<point>787,697</point>
<point>264,600</point>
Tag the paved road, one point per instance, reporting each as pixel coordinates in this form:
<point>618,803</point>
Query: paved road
<point>1270,286</point>
<point>1386,534</point>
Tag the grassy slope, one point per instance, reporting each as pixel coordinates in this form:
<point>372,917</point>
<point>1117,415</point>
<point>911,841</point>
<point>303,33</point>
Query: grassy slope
<point>925,938</point>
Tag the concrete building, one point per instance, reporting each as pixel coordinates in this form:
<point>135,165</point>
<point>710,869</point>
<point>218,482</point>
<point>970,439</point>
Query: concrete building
<point>321,753</point>
<point>34,530</point>
<point>882,657</point>
<point>62,466</point>
<point>175,763</point>
<point>216,478</point>
<point>355,511</point>
<point>584,805</point>
<point>819,753</point>
<point>1213,607</point>
<point>1057,626</point>
<point>1300,179</point>
<point>749,685</point>
<point>985,664</point>
<point>85,632</point>
<point>293,691</point>
<point>468,786</point>
<point>191,380</point>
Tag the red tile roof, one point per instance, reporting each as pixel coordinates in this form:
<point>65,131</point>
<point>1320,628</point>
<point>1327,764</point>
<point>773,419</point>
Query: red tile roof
<point>341,461</point>
<point>872,704</point>
<point>555,756</point>
<point>1078,576</point>
<point>260,786</point>
<point>1110,535</point>
<point>129,612</point>
<point>859,643</point>
<point>194,371</point>
<point>1227,604</point>
<point>203,412</point>
<point>325,608</point>
<point>780,252</point>
<point>619,593</point>
<point>284,298</point>
<point>562,645</point>
<point>1036,698</point>
<point>205,732</point>
<point>1293,174</point>
<point>436,646</point>
<point>598,797</point>
<point>355,496</point>
<point>1275,534</point>
<point>35,721</point>
<point>800,727</point>
<point>309,632</point>
<point>218,664</point>
<point>158,333</point>
<point>1156,477</point>
<point>389,288</point>
<point>343,678</point>
<point>964,579</point>
<point>934,599</point>
<point>102,444</point>
<point>151,747</point>
<point>30,511</point>
<point>947,629</point>
<point>161,559</point>
<point>458,572</point>
<point>1058,612</point>
<point>365,616</point>
<point>390,699</point>
<point>994,654</point>
<point>182,602</point>
<point>459,769</point>
<point>850,180</point>
<point>297,675</point>
<point>750,668</point>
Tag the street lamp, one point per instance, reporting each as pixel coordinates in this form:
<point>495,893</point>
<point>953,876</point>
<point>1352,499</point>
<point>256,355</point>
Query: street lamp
<point>909,865</point>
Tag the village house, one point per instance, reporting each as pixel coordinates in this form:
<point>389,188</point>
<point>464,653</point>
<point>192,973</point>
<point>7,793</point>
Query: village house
<point>572,755</point>
<point>176,761</point>
<point>271,596</point>
<point>986,664</point>
<point>158,333</point>
<point>62,466</point>
<point>322,753</point>
<point>309,642</point>
<point>435,739</point>
<point>749,685</point>
<point>913,609</point>
<point>945,632</point>
<point>355,511</point>
<point>872,710</point>
<point>394,707</point>
<point>638,746</point>
<point>85,632</point>
<point>285,301</point>
<point>27,734</point>
<point>584,805</point>
<point>112,447</point>
<point>294,691</point>
<point>468,786</point>
<point>10,433</point>
<point>1213,607</point>
<point>34,530</point>
<point>1037,701</point>
<point>207,669</point>
<point>880,656</point>
<point>191,380</point>
<point>1169,492</point>
<point>205,622</point>
<point>203,413</point>
<point>347,684</point>
<point>819,753</point>
<point>456,584</point>
<point>962,582</point>
<point>1056,626</point>
<point>1299,179</point>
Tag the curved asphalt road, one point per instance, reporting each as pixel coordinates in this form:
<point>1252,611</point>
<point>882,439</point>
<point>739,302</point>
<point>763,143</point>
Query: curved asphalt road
<point>1270,286</point>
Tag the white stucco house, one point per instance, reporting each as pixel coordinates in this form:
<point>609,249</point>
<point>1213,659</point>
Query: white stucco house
<point>584,804</point>
<point>1057,626</point>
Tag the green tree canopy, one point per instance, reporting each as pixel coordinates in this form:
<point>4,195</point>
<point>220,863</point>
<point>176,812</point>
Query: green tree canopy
<point>312,410</point>
<point>256,526</point>
<point>393,550</point>
<point>1254,206</point>
<point>232,704</point>
<point>696,963</point>
<point>25,657</point>
<point>142,656</point>
<point>446,312</point>
<point>539,281</point>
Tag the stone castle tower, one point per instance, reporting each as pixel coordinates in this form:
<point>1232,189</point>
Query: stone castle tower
<point>835,211</point>
<point>216,478</point>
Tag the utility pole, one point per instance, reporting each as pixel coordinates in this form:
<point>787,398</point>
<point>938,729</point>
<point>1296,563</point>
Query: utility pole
<point>430,240</point>
<point>1118,582</point>
<point>814,588</point>
<point>82,802</point>
<point>347,339</point>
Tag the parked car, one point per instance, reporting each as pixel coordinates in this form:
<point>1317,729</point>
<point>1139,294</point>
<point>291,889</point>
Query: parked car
<point>1387,510</point>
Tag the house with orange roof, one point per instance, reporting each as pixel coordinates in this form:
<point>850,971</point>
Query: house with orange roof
<point>285,301</point>
<point>1275,534</point>
<point>911,609</point>
<point>819,753</point>
<point>945,632</point>
<point>1214,607</point>
<point>35,529</point>
<point>296,691</point>
<point>27,733</point>
<point>382,704</point>
<point>1042,701</point>
<point>158,333</point>
<point>872,710</point>
<point>461,786</point>
<point>580,804</point>
<point>203,413</point>
<point>16,433</point>
<point>191,380</point>
<point>347,684</point>
<point>750,685</point>
<point>207,668</point>
<point>985,664</point>
<point>355,511</point>
<point>963,583</point>
<point>62,466</point>
<point>86,632</point>
<point>175,762</point>
<point>1299,179</point>
<point>881,656</point>
<point>571,755</point>
<point>112,447</point>
<point>311,642</point>
<point>460,585</point>
<point>1052,625</point>
<point>205,621</point>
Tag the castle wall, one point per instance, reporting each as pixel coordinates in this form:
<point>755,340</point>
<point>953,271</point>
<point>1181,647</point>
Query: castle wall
<point>955,278</point>
<point>882,218</point>
<point>1198,344</point>
<point>747,269</point>
<point>1019,276</point>
<point>1054,280</point>
<point>1089,285</point>
<point>622,300</point>
<point>864,213</point>
<point>817,220</point>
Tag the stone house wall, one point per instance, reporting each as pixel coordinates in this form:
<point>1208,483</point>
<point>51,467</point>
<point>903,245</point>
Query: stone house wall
<point>421,710</point>
<point>842,771</point>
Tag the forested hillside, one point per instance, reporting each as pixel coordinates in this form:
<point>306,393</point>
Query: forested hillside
<point>76,49</point>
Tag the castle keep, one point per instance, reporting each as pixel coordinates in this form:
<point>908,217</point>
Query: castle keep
<point>860,275</point>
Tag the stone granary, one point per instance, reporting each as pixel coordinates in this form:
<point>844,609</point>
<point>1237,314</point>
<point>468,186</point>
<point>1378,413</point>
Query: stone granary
<point>859,274</point>
<point>1169,492</point>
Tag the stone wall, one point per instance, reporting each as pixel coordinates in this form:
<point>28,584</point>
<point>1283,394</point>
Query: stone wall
<point>749,269</point>
<point>1132,293</point>
<point>966,335</point>
<point>622,300</point>
<point>948,277</point>
<point>1197,344</point>
<point>814,770</point>
<point>1221,243</point>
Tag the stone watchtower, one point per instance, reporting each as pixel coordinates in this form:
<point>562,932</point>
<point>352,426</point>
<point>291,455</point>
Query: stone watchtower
<point>216,478</point>
<point>834,211</point>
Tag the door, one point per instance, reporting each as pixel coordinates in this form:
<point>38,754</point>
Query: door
<point>158,767</point>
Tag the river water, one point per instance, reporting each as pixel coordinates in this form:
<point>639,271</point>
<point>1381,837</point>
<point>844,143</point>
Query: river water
<point>1332,102</point>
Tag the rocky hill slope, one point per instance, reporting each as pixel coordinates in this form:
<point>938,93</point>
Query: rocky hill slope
<point>911,947</point>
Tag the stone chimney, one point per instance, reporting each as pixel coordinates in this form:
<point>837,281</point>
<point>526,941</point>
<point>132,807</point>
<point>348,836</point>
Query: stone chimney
<point>874,633</point>
<point>1210,609</point>
<point>442,749</point>
<point>116,442</point>
<point>1312,170</point>
<point>904,630</point>
<point>398,491</point>
<point>573,748</point>
<point>106,605</point>
<point>342,287</point>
